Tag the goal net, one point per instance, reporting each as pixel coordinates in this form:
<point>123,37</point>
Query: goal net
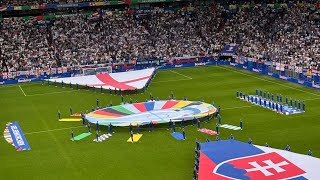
<point>94,71</point>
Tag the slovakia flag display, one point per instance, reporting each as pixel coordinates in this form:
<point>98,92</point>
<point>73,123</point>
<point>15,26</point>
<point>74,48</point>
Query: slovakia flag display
<point>231,159</point>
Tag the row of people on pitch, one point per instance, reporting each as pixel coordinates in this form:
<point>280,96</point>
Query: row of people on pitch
<point>278,106</point>
<point>297,104</point>
<point>150,127</point>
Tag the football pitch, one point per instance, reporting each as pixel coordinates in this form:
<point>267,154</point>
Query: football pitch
<point>157,155</point>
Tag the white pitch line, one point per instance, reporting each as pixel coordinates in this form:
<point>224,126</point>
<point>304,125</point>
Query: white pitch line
<point>22,91</point>
<point>59,92</point>
<point>171,80</point>
<point>270,81</point>
<point>50,130</point>
<point>181,74</point>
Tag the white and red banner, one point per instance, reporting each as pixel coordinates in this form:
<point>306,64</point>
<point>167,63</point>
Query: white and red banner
<point>124,80</point>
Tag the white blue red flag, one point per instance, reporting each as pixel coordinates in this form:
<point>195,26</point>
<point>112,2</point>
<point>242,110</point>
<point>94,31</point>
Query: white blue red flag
<point>231,159</point>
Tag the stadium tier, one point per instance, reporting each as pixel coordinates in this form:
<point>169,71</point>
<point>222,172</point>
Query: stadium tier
<point>130,80</point>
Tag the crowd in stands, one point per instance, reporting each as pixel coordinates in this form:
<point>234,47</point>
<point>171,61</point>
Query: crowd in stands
<point>40,2</point>
<point>289,36</point>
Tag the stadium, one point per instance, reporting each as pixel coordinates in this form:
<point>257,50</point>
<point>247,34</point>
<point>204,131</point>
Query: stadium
<point>160,89</point>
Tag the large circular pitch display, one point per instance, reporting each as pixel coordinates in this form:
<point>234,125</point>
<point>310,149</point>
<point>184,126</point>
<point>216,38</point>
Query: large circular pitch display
<point>155,111</point>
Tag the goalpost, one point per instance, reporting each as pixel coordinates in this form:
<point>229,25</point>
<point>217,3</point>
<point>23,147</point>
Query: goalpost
<point>94,71</point>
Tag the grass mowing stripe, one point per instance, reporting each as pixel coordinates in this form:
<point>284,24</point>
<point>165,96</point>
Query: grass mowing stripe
<point>171,81</point>
<point>269,81</point>
<point>59,92</point>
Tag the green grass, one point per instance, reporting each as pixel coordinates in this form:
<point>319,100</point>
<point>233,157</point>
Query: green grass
<point>157,155</point>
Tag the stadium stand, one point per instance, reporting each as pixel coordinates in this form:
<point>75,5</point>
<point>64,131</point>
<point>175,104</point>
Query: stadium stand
<point>287,35</point>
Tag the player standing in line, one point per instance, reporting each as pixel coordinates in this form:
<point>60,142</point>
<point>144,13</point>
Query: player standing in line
<point>131,135</point>
<point>218,138</point>
<point>169,124</point>
<point>82,118</point>
<point>266,145</point>
<point>97,102</point>
<point>138,128</point>
<point>130,127</point>
<point>97,127</point>
<point>97,136</point>
<point>130,101</point>
<point>92,109</point>
<point>182,123</point>
<point>184,98</point>
<point>250,141</point>
<point>241,124</point>
<point>199,124</point>
<point>151,97</point>
<point>157,99</point>
<point>219,119</point>
<point>218,111</point>
<point>72,135</point>
<point>174,126</point>
<point>231,137</point>
<point>122,100</point>
<point>70,110</point>
<point>136,91</point>
<point>309,153</point>
<point>287,148</point>
<point>59,115</point>
<point>184,134</point>
<point>109,128</point>
<point>207,140</point>
<point>208,118</point>
<point>88,126</point>
<point>150,126</point>
<point>197,144</point>
<point>193,121</point>
<point>217,128</point>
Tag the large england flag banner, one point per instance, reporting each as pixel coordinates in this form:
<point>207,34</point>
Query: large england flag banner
<point>129,80</point>
<point>231,159</point>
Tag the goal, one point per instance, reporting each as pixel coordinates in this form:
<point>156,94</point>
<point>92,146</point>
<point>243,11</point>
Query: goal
<point>94,71</point>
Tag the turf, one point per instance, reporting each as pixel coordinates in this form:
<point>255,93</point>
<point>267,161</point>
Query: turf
<point>157,155</point>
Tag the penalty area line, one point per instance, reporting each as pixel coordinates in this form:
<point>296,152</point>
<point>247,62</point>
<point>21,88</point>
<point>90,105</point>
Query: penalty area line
<point>50,130</point>
<point>22,91</point>
<point>181,74</point>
